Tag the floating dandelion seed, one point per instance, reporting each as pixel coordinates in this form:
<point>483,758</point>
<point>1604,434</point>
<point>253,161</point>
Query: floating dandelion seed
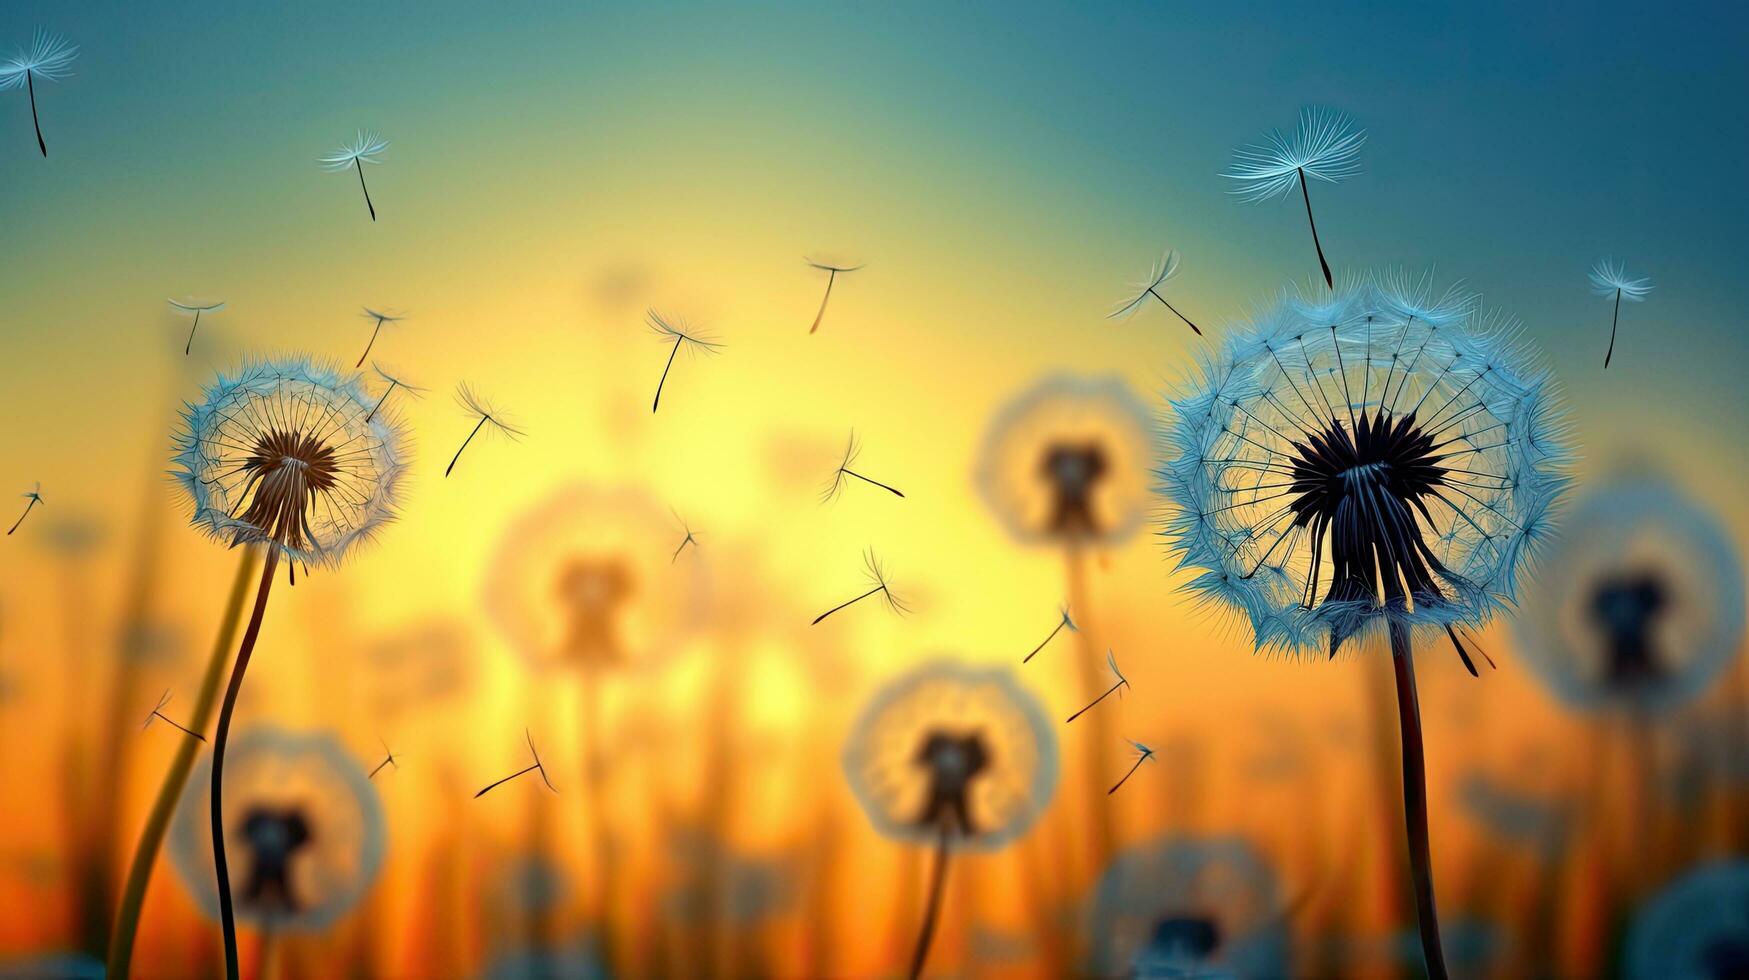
<point>1189,907</point>
<point>195,308</point>
<point>1694,927</point>
<point>364,148</point>
<point>832,272</point>
<point>878,576</point>
<point>537,767</point>
<point>1341,467</point>
<point>954,757</point>
<point>389,759</point>
<point>1121,683</point>
<point>1143,754</point>
<point>380,318</point>
<point>49,58</point>
<point>158,712</point>
<point>1163,270</point>
<point>1639,608</point>
<point>490,418</point>
<point>689,539</point>
<point>683,335</point>
<point>281,455</point>
<point>395,381</point>
<point>1610,280</point>
<point>1325,147</point>
<point>835,486</point>
<point>34,496</point>
<point>1062,623</point>
<point>308,820</point>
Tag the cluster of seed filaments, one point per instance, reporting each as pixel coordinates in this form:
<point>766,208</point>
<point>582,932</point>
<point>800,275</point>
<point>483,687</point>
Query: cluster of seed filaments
<point>285,473</point>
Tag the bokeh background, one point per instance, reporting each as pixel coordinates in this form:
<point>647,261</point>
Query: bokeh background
<point>1004,172</point>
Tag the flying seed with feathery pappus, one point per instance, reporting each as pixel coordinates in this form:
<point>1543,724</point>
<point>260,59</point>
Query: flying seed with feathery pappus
<point>50,59</point>
<point>489,418</point>
<point>365,147</point>
<point>683,335</point>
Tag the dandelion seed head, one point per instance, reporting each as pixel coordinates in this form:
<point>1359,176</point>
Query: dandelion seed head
<point>365,147</point>
<point>1694,927</point>
<point>1609,278</point>
<point>302,817</point>
<point>1067,462</point>
<point>1338,464</point>
<point>1326,147</point>
<point>1163,270</point>
<point>281,453</point>
<point>954,743</point>
<point>49,57</point>
<point>1639,604</point>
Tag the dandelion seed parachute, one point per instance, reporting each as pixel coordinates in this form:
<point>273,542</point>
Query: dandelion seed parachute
<point>1697,927</point>
<point>305,816</point>
<point>1325,147</point>
<point>1189,907</point>
<point>1610,279</point>
<point>49,58</point>
<point>1639,607</point>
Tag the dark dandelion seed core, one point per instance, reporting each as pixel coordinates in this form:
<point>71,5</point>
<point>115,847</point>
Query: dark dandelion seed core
<point>593,592</point>
<point>273,837</point>
<point>1360,492</point>
<point>1183,938</point>
<point>288,473</point>
<point>1626,609</point>
<point>953,762</point>
<point>1073,472</point>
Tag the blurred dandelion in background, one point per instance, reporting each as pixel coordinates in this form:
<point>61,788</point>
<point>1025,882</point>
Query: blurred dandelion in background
<point>1611,280</point>
<point>1326,147</point>
<point>362,149</point>
<point>380,319</point>
<point>575,961</point>
<point>685,336</point>
<point>1342,469</point>
<point>1163,270</point>
<point>832,271</point>
<point>305,822</point>
<point>193,308</point>
<point>955,757</point>
<point>487,416</point>
<point>1696,928</point>
<point>1182,907</point>
<point>49,58</point>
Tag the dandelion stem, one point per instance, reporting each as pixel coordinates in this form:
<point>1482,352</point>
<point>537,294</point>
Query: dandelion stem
<point>1108,693</point>
<point>133,898</point>
<point>1053,635</point>
<point>196,326</point>
<point>1613,320</point>
<point>831,278</point>
<point>227,915</point>
<point>892,490</point>
<point>1127,775</point>
<point>841,605</point>
<point>21,517</point>
<point>373,339</point>
<point>1307,196</point>
<point>386,394</point>
<point>470,438</point>
<point>1415,800</point>
<point>932,913</point>
<point>678,340</point>
<point>30,84</point>
<point>1175,312</point>
<point>356,162</point>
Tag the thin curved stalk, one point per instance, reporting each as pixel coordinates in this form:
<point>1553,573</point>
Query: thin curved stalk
<point>822,314</point>
<point>657,402</point>
<point>196,326</point>
<point>361,185</point>
<point>1613,321</point>
<point>1307,196</point>
<point>30,83</point>
<point>1415,801</point>
<point>931,913</point>
<point>127,916</point>
<point>227,914</point>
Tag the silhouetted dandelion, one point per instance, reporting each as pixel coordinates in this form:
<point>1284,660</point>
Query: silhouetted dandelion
<point>380,318</point>
<point>878,576</point>
<point>364,148</point>
<point>33,496</point>
<point>1189,907</point>
<point>1143,754</point>
<point>1063,622</point>
<point>683,335</point>
<point>1163,270</point>
<point>306,817</point>
<point>955,757</point>
<point>158,713</point>
<point>194,308</point>
<point>490,419</point>
<point>1325,147</point>
<point>1696,927</point>
<point>1341,467</point>
<point>395,381</point>
<point>1639,608</point>
<point>832,274</point>
<point>280,455</point>
<point>537,766</point>
<point>49,58</point>
<point>1118,685</point>
<point>835,486</point>
<point>1610,280</point>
